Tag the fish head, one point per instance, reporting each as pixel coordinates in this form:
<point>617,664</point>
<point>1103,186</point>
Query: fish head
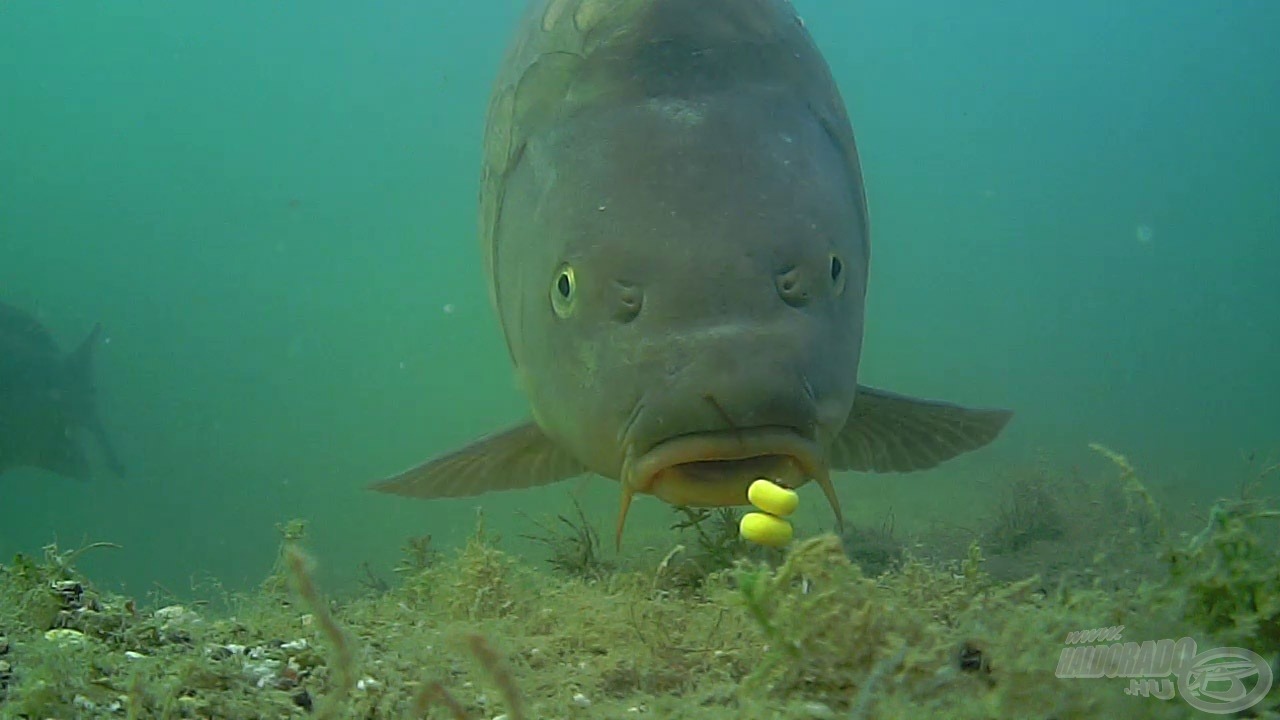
<point>690,316</point>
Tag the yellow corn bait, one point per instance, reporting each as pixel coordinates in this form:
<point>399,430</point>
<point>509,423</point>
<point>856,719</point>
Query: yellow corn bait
<point>768,527</point>
<point>772,498</point>
<point>765,529</point>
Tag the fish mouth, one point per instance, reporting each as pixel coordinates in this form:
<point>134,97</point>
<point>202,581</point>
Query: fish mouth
<point>715,468</point>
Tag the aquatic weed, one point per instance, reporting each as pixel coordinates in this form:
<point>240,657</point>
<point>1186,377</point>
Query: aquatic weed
<point>1029,512</point>
<point>717,546</point>
<point>1232,577</point>
<point>575,548</point>
<point>417,554</point>
<point>874,549</point>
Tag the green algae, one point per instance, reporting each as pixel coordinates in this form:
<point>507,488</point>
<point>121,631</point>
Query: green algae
<point>717,629</point>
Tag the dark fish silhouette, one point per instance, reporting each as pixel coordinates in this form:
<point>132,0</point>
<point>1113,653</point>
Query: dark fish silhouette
<point>675,232</point>
<point>47,400</point>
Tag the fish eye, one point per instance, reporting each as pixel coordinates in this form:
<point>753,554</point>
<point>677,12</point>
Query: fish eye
<point>563,291</point>
<point>837,273</point>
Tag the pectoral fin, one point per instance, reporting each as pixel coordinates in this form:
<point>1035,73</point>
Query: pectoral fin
<point>887,432</point>
<point>520,457</point>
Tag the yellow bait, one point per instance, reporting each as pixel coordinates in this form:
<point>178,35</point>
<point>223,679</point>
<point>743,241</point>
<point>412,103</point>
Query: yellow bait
<point>772,498</point>
<point>765,529</point>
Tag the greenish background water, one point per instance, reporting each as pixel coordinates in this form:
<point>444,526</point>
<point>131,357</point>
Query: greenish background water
<point>270,205</point>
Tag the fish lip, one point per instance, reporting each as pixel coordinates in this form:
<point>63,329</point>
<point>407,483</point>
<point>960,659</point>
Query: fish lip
<point>777,441</point>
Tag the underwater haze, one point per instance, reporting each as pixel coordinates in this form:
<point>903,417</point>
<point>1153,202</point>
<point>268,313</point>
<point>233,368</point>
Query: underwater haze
<point>271,209</point>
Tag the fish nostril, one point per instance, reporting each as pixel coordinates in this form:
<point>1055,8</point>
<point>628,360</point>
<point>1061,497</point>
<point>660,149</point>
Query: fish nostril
<point>630,300</point>
<point>791,287</point>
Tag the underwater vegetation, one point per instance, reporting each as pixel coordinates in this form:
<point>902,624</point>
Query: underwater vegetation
<point>574,544</point>
<point>717,629</point>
